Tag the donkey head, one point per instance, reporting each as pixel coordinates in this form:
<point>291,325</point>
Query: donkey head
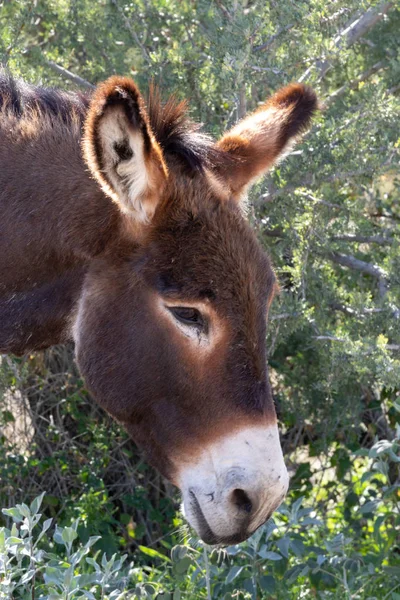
<point>171,327</point>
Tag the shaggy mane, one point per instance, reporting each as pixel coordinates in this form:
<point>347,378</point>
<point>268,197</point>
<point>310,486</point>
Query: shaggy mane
<point>177,134</point>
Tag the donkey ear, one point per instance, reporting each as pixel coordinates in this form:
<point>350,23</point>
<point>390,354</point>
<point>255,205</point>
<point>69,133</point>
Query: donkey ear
<point>120,148</point>
<point>260,139</point>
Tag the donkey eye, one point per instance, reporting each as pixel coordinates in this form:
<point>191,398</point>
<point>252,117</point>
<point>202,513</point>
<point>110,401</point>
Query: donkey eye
<point>187,316</point>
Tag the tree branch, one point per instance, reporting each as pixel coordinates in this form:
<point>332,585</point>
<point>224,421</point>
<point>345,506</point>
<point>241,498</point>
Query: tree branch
<point>351,312</point>
<point>364,239</point>
<point>242,102</point>
<point>224,10</point>
<point>284,316</point>
<point>359,265</point>
<point>68,74</point>
<point>358,27</point>
<point>275,233</point>
<point>353,84</point>
<point>328,338</point>
<point>394,89</point>
<point>361,25</point>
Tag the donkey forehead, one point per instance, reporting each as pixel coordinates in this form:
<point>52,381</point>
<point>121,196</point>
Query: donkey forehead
<point>208,252</point>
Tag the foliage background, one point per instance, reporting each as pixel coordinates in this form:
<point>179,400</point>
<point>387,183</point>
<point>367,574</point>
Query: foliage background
<point>329,216</point>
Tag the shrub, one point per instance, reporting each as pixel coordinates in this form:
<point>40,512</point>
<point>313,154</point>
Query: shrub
<point>348,549</point>
<point>326,215</point>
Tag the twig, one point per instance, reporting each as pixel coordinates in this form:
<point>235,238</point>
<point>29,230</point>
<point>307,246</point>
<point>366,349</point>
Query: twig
<point>364,239</point>
<point>224,10</point>
<point>352,312</point>
<point>329,338</point>
<point>319,201</point>
<point>273,70</point>
<point>394,89</point>
<point>130,29</point>
<point>242,103</point>
<point>384,216</point>
<point>272,38</point>
<point>284,316</point>
<point>68,74</point>
<point>277,232</point>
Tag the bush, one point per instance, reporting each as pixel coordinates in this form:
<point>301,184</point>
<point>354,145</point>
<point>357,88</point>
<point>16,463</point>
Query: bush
<point>345,546</point>
<point>326,215</point>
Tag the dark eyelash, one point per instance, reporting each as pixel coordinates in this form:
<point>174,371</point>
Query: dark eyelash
<point>188,316</point>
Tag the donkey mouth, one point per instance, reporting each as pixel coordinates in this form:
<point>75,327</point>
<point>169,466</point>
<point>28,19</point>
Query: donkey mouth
<point>205,531</point>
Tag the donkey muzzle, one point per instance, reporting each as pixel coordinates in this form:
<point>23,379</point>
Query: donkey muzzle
<point>234,485</point>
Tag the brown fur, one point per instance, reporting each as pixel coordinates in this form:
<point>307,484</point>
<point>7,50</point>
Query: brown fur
<point>70,257</point>
<point>271,130</point>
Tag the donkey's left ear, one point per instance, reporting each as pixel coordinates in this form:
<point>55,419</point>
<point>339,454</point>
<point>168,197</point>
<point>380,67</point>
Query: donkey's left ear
<point>120,148</point>
<point>257,142</point>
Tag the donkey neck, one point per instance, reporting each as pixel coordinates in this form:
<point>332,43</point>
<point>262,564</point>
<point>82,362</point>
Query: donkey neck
<point>53,220</point>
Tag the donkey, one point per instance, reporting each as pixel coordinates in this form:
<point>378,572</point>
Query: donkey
<point>123,228</point>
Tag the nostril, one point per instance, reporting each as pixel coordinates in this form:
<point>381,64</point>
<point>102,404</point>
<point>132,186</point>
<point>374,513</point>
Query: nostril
<point>242,501</point>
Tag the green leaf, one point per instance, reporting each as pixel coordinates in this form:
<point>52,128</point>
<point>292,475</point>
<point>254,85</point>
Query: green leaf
<point>24,510</point>
<point>153,553</point>
<point>94,564</point>
<point>233,573</point>
<point>57,536</point>
<point>292,574</point>
<point>267,583</point>
<point>149,589</point>
<point>46,525</point>
<point>69,535</point>
<point>178,552</point>
<point>26,577</point>
<point>369,507</point>
<point>92,540</point>
<point>283,545</point>
<point>68,575</point>
<point>183,565</point>
<point>88,595</point>
<point>36,503</point>
<point>14,541</point>
<point>53,575</point>
<point>14,513</point>
<point>270,555</point>
<point>297,547</point>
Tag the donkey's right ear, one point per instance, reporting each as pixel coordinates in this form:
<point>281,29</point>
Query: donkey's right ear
<point>120,148</point>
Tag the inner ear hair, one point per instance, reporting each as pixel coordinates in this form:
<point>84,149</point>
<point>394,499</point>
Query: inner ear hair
<point>123,149</point>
